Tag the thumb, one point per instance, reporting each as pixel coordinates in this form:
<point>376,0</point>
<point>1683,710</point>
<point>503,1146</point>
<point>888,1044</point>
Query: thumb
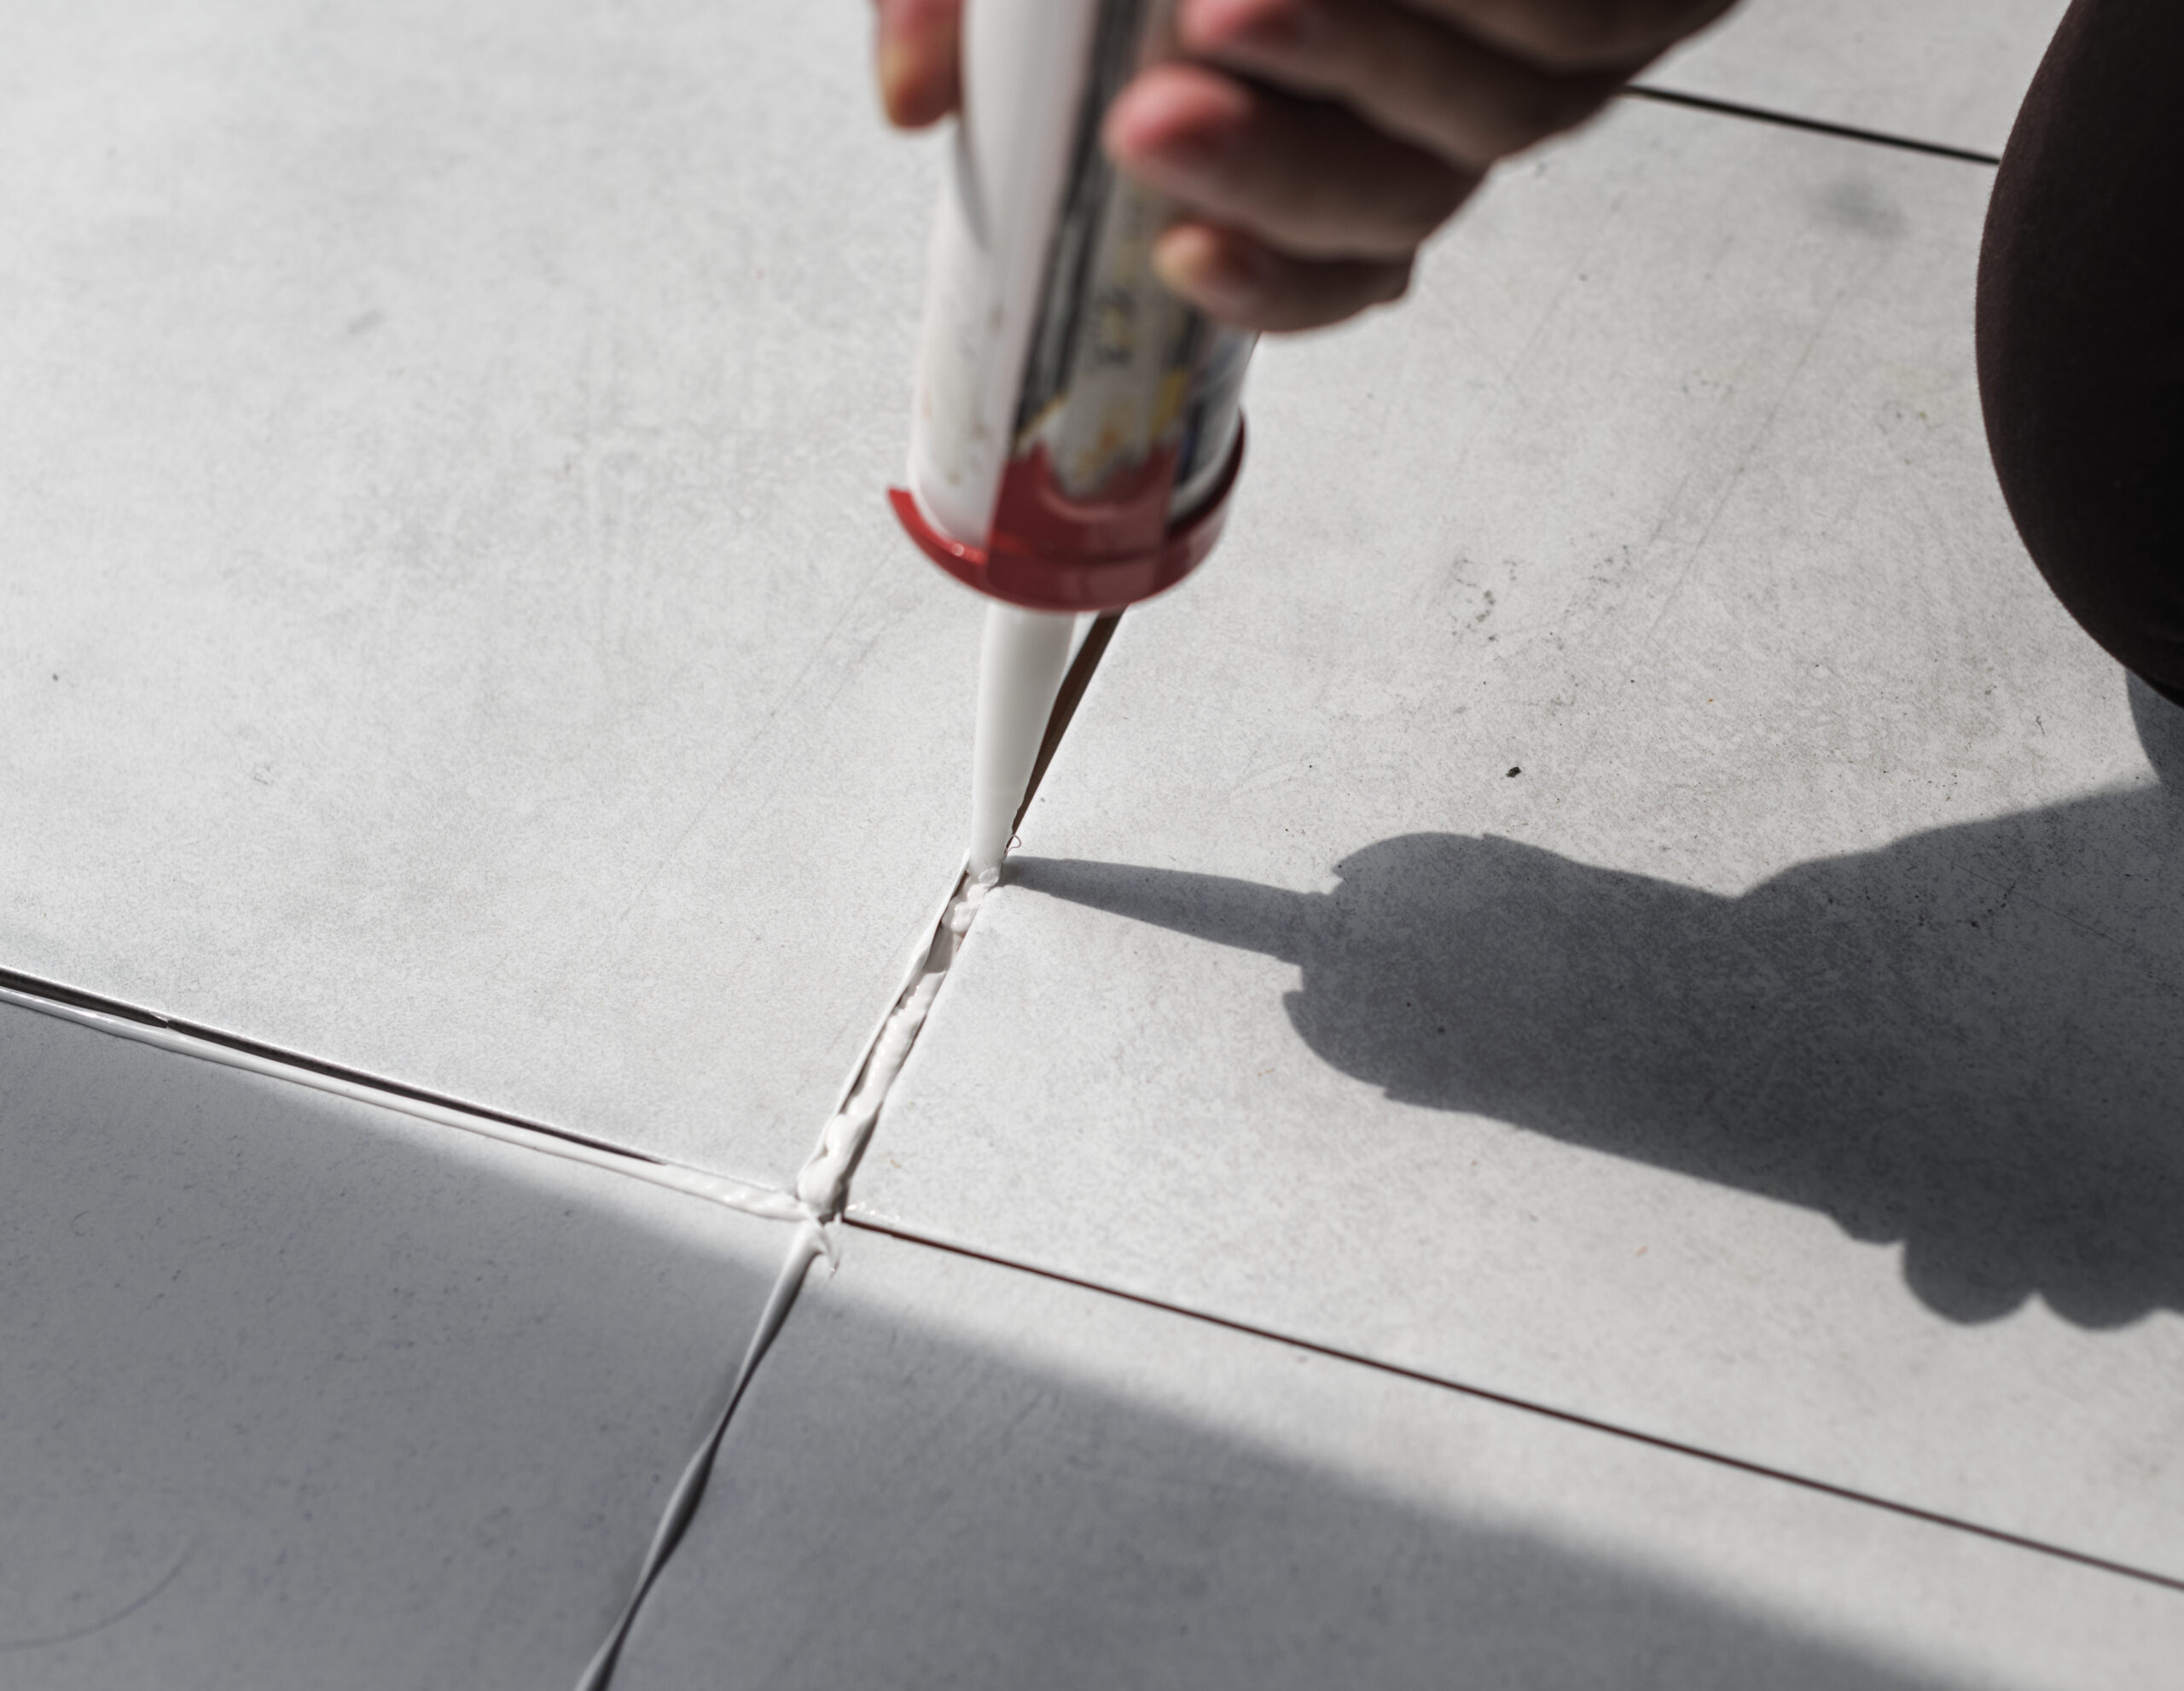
<point>914,56</point>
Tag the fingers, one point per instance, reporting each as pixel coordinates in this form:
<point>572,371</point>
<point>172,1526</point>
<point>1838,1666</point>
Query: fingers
<point>1230,275</point>
<point>1311,145</point>
<point>1315,143</point>
<point>1306,178</point>
<point>914,56</point>
<point>1577,35</point>
<point>1446,91</point>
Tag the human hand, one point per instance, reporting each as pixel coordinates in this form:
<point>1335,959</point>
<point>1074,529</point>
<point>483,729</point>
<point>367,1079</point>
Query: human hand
<point>1311,146</point>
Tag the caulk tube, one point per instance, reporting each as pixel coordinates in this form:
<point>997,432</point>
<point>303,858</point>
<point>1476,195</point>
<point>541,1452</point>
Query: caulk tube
<point>1077,430</point>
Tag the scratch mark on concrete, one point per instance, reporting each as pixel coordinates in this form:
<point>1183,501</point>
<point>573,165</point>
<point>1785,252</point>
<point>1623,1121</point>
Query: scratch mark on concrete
<point>795,691</point>
<point>1744,458</point>
<point>119,1615</point>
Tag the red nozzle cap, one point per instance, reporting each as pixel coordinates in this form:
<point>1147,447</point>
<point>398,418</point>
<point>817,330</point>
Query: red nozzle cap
<point>1048,555</point>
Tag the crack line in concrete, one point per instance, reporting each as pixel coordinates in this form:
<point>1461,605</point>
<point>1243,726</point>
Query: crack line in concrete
<point>204,1044</point>
<point>869,1222</point>
<point>823,1183</point>
<point>690,1489</point>
<point>1731,109</point>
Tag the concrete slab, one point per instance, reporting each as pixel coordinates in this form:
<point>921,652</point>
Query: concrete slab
<point>452,627</point>
<point>951,1473</point>
<point>299,1392</point>
<point>1619,886</point>
<point>1946,70</point>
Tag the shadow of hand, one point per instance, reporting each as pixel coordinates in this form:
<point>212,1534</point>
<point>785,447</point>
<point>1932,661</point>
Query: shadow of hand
<point>1970,1040</point>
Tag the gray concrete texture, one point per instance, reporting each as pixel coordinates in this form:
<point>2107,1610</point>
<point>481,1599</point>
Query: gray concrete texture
<point>1939,71</point>
<point>1619,886</point>
<point>298,1391</point>
<point>969,1476</point>
<point>452,625</point>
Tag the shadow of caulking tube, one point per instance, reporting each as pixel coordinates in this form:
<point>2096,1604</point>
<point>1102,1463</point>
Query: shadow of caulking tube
<point>1970,1040</point>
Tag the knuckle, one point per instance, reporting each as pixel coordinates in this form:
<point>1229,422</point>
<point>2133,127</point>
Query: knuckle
<point>1438,191</point>
<point>1281,21</point>
<point>1547,106</point>
<point>1580,34</point>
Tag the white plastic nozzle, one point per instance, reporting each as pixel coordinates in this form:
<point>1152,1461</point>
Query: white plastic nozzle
<point>1021,662</point>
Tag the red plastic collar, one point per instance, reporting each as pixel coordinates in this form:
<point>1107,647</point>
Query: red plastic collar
<point>1043,570</point>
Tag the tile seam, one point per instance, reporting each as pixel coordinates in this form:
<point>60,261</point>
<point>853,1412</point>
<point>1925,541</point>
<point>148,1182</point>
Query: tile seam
<point>229,1051</point>
<point>808,1245</point>
<point>823,1183</point>
<point>822,1189</point>
<point>822,1192</point>
<point>910,1236</point>
<point>1872,137</point>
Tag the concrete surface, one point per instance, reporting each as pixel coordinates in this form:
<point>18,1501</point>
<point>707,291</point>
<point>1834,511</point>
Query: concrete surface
<point>1619,886</point>
<point>969,1476</point>
<point>1950,72</point>
<point>452,625</point>
<point>1616,888</point>
<point>301,1392</point>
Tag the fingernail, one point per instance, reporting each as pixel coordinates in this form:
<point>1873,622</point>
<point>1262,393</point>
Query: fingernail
<point>1287,26</point>
<point>1200,265</point>
<point>1190,151</point>
<point>892,64</point>
<point>1280,25</point>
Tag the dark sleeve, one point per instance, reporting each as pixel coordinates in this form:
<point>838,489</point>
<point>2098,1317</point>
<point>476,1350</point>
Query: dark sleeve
<point>2081,327</point>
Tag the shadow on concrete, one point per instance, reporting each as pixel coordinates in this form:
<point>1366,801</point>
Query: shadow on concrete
<point>299,1392</point>
<point>1971,1041</point>
<point>895,1506</point>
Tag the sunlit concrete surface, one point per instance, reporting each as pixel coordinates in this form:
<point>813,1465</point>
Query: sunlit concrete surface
<point>1619,886</point>
<point>452,624</point>
<point>297,1392</point>
<point>1592,1011</point>
<point>969,1476</point>
<point>1944,72</point>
